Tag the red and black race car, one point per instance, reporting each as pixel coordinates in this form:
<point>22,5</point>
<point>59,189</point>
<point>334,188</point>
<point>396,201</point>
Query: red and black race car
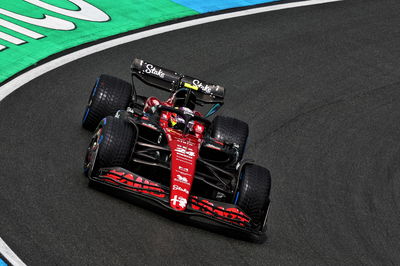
<point>169,154</point>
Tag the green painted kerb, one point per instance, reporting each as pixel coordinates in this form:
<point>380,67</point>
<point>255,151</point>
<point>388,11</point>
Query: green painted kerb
<point>125,15</point>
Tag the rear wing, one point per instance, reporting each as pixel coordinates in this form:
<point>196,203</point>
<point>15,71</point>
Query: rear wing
<point>171,81</point>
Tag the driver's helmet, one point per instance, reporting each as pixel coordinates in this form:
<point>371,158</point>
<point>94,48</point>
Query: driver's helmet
<point>178,122</point>
<point>179,98</point>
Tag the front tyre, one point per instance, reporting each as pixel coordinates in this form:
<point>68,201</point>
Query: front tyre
<point>111,145</point>
<point>108,95</point>
<point>253,193</point>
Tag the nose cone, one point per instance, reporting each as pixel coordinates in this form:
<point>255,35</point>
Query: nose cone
<point>184,154</point>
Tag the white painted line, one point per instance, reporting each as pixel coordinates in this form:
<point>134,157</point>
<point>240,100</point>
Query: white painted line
<point>22,30</point>
<point>11,39</point>
<point>10,255</point>
<point>21,80</point>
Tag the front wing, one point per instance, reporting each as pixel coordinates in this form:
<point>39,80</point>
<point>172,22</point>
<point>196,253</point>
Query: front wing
<point>227,215</point>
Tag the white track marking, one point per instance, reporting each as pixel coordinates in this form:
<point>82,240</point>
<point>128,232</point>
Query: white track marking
<point>22,30</point>
<point>30,75</point>
<point>21,80</point>
<point>11,39</point>
<point>10,255</point>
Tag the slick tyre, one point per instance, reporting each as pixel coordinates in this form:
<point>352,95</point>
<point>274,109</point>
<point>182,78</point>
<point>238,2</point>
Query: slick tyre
<point>111,145</point>
<point>231,130</point>
<point>253,194</point>
<point>108,95</point>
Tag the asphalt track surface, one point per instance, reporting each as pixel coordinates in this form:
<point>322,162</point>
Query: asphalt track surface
<point>319,87</point>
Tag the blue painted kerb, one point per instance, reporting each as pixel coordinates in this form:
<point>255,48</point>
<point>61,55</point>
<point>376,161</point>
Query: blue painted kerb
<point>204,6</point>
<point>2,262</point>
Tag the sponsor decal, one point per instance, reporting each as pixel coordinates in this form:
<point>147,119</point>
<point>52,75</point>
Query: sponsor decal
<point>177,180</point>
<point>199,84</point>
<point>179,201</point>
<point>185,142</point>
<point>199,129</point>
<point>176,187</point>
<point>150,69</point>
<point>182,179</point>
<point>220,212</point>
<point>184,152</point>
<point>184,160</point>
<point>136,183</point>
<point>186,170</point>
<point>182,173</point>
<point>190,86</point>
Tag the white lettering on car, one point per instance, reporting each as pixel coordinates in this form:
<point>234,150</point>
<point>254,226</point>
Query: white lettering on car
<point>199,84</point>
<point>184,153</point>
<point>150,69</point>
<point>176,187</point>
<point>182,179</point>
<point>183,169</point>
<point>182,173</point>
<point>181,201</point>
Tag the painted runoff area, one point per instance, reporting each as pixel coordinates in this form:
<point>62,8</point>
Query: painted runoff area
<point>32,30</point>
<point>204,6</point>
<point>19,81</point>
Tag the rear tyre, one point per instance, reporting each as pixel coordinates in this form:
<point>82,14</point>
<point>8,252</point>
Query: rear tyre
<point>111,145</point>
<point>231,130</point>
<point>108,95</point>
<point>253,194</point>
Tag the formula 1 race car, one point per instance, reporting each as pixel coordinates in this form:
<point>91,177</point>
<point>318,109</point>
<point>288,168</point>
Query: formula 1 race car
<point>170,155</point>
